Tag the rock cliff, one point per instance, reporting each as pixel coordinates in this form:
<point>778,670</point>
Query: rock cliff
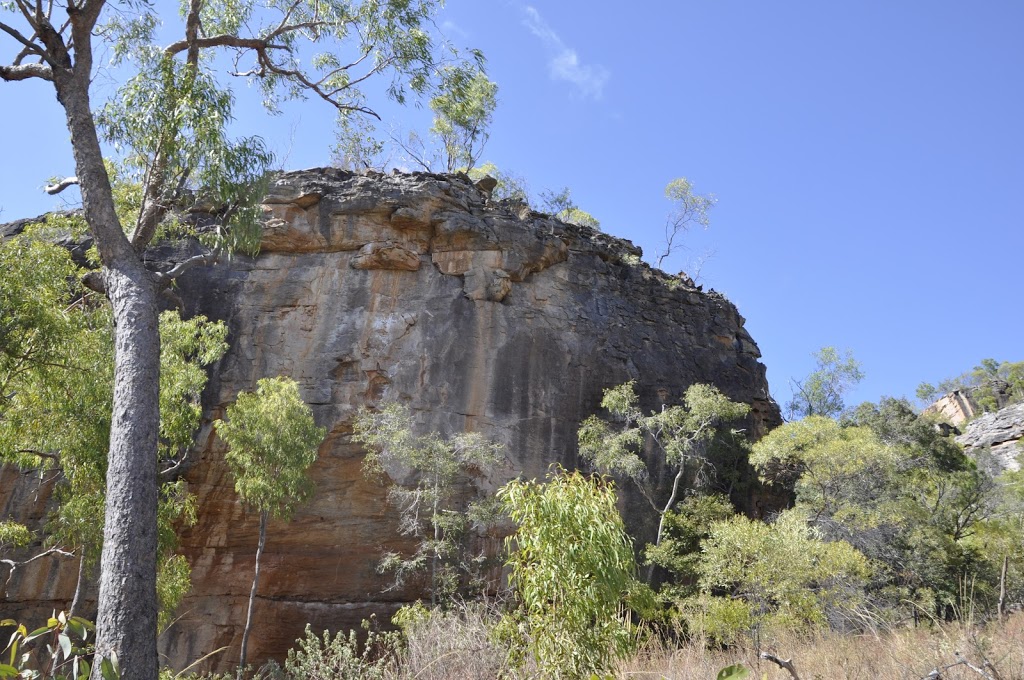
<point>479,315</point>
<point>1000,432</point>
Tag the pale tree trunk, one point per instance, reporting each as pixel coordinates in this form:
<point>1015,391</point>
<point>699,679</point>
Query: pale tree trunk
<point>76,601</point>
<point>127,616</point>
<point>252,593</point>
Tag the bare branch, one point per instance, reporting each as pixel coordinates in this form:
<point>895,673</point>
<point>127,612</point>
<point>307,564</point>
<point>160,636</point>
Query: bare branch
<point>786,664</point>
<point>41,454</point>
<point>26,71</point>
<point>13,566</point>
<point>182,267</point>
<point>60,186</point>
<point>257,44</point>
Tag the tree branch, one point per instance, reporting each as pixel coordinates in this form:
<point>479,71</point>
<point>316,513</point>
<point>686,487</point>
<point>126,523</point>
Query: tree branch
<point>182,267</point>
<point>787,664</point>
<point>257,44</point>
<point>26,71</point>
<point>13,566</point>
<point>60,186</point>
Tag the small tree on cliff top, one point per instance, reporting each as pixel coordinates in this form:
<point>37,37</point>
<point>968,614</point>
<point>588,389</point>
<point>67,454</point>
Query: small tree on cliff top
<point>273,441</point>
<point>169,122</point>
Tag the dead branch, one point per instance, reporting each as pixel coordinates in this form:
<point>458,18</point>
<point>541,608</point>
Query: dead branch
<point>57,187</point>
<point>14,566</point>
<point>786,664</point>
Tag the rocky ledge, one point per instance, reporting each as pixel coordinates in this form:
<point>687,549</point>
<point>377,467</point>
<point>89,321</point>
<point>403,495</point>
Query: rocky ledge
<point>479,315</point>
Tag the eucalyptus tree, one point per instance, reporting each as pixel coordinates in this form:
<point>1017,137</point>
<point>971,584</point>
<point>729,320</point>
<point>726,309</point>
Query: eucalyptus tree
<point>432,504</point>
<point>689,209</point>
<point>56,375</point>
<point>821,392</point>
<point>169,122</point>
<point>680,434</point>
<point>272,441</point>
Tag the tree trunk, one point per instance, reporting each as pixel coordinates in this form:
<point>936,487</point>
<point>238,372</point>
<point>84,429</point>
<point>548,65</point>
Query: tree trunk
<point>252,593</point>
<point>127,616</point>
<point>76,601</point>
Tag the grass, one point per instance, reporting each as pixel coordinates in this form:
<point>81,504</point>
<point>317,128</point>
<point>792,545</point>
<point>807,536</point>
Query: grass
<point>996,650</point>
<point>456,645</point>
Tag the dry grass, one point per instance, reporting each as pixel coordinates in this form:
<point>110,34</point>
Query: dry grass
<point>908,654</point>
<point>452,644</point>
<point>456,645</point>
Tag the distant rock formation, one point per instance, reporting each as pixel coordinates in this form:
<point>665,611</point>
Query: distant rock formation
<point>956,408</point>
<point>478,315</point>
<point>1001,432</point>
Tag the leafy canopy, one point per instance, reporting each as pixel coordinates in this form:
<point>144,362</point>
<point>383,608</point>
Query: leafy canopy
<point>428,479</point>
<point>56,368</point>
<point>679,436</point>
<point>821,392</point>
<point>272,441</point>
<point>572,567</point>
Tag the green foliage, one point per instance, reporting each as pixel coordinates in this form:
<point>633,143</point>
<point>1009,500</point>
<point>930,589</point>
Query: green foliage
<point>821,392</point>
<point>891,486</point>
<point>686,528</point>
<point>176,113</point>
<point>779,575</point>
<point>272,440</point>
<point>14,535</point>
<point>680,435</point>
<point>56,365</point>
<point>689,210</point>
<point>991,384</point>
<point>340,657</point>
<point>59,650</point>
<point>572,569</point>
<point>431,498</point>
<point>462,114</point>
<point>561,205</point>
<point>737,671</point>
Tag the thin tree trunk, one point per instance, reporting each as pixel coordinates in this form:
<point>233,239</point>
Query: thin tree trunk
<point>664,511</point>
<point>1001,608</point>
<point>252,593</point>
<point>127,615</point>
<point>76,601</point>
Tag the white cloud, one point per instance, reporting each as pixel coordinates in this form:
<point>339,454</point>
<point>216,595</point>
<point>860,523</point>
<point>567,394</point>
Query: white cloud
<point>565,62</point>
<point>449,27</point>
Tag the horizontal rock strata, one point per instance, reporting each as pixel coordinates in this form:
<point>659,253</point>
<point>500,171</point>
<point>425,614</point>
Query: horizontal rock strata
<point>478,315</point>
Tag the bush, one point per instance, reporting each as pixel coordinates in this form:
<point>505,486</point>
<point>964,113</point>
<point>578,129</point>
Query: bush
<point>340,657</point>
<point>572,568</point>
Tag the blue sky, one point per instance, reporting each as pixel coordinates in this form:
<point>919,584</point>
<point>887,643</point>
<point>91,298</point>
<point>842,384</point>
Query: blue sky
<point>868,158</point>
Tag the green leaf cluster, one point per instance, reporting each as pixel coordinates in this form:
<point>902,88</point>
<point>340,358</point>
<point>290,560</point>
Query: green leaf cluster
<point>887,482</point>
<point>430,482</point>
<point>272,440</point>
<point>463,111</point>
<point>821,392</point>
<point>59,650</point>
<point>572,571</point>
<point>56,372</point>
<point>780,575</point>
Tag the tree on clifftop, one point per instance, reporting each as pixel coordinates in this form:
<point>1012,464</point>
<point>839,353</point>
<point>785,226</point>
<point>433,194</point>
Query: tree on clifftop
<point>168,125</point>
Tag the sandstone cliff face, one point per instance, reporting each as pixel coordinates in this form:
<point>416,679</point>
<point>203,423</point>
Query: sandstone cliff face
<point>479,316</point>
<point>1001,432</point>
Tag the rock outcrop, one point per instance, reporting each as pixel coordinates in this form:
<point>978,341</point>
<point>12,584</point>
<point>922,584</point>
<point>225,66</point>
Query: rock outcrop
<point>417,288</point>
<point>1000,432</point>
<point>956,408</point>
